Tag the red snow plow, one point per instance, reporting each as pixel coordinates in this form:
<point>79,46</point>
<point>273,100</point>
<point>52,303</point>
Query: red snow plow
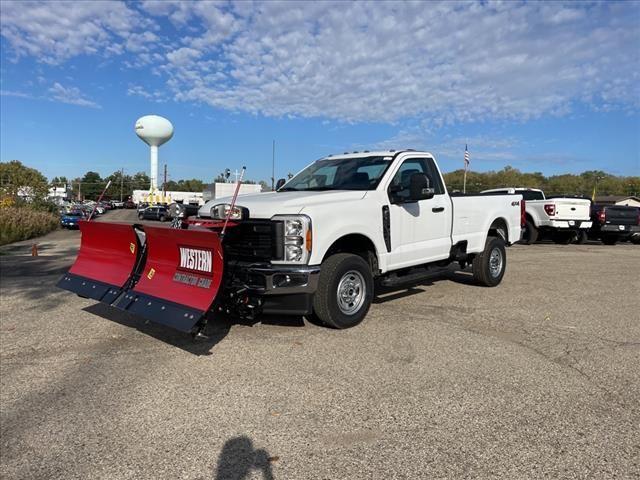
<point>169,276</point>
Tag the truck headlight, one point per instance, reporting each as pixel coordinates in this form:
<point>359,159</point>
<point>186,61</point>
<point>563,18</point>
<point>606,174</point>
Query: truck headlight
<point>221,210</point>
<point>296,239</point>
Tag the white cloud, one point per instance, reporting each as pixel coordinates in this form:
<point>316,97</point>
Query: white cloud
<point>56,31</point>
<point>139,91</point>
<point>70,95</point>
<point>359,62</point>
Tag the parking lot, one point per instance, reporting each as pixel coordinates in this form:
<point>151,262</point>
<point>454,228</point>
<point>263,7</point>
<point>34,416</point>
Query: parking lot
<point>537,378</point>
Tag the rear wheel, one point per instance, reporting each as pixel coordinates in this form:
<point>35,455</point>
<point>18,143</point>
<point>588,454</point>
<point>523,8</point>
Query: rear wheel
<point>530,233</point>
<point>609,239</point>
<point>345,291</point>
<point>489,266</point>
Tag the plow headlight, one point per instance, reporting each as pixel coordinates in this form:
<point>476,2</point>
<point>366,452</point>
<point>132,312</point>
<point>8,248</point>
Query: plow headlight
<point>221,210</point>
<point>297,238</point>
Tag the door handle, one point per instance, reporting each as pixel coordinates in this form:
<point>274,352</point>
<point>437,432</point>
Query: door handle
<point>437,209</point>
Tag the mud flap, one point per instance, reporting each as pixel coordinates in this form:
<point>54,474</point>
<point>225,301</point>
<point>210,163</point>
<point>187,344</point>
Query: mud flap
<point>180,279</point>
<point>106,260</point>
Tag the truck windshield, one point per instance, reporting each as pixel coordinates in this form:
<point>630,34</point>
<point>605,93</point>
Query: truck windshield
<point>362,173</point>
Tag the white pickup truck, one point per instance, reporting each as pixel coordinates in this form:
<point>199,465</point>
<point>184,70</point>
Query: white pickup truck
<point>318,244</point>
<point>562,219</point>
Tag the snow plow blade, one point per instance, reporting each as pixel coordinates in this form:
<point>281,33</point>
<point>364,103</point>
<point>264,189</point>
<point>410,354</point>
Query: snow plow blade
<point>106,261</point>
<point>180,278</point>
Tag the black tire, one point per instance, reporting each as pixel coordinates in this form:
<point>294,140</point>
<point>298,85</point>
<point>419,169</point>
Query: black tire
<point>163,218</point>
<point>140,216</point>
<point>582,237</point>
<point>484,266</point>
<point>635,239</point>
<point>609,239</point>
<point>343,269</point>
<point>530,233</point>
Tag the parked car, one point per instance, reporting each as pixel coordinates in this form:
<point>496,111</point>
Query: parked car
<point>129,204</point>
<point>612,223</point>
<point>563,219</point>
<point>154,213</point>
<point>117,204</point>
<point>70,220</point>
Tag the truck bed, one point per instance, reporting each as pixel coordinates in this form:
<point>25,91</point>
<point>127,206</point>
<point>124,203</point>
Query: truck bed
<point>473,215</point>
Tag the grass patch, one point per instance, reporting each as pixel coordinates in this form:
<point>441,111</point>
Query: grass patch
<point>22,223</point>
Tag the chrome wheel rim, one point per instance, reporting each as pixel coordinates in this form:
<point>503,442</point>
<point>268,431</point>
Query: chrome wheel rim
<point>495,262</point>
<point>351,292</point>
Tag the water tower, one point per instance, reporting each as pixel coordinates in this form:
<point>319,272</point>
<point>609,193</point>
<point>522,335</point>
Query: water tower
<point>154,131</point>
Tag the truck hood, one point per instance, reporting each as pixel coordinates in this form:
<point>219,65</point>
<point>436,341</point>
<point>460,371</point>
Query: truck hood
<point>268,204</point>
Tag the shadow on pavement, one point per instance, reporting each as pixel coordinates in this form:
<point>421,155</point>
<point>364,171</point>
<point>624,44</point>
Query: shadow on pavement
<point>238,459</point>
<point>216,329</point>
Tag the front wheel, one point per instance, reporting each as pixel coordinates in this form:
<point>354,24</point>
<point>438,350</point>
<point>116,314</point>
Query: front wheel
<point>489,266</point>
<point>163,218</point>
<point>140,216</point>
<point>345,291</point>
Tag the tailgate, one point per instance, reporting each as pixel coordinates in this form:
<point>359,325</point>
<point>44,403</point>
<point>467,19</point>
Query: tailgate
<point>572,209</point>
<point>621,215</point>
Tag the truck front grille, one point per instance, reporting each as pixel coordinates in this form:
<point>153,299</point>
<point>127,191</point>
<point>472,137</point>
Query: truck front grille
<point>254,241</point>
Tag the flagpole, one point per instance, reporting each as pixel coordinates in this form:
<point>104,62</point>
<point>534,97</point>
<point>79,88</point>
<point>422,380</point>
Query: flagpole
<point>466,167</point>
<point>464,181</point>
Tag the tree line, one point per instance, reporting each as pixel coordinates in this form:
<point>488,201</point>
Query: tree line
<point>565,184</point>
<point>15,176</point>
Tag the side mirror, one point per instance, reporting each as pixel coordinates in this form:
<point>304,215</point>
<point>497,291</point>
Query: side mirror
<point>280,183</point>
<point>420,187</point>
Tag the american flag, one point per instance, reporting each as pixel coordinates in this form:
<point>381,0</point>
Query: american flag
<point>466,157</point>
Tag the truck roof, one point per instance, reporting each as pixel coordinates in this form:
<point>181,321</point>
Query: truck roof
<point>512,189</point>
<point>374,153</point>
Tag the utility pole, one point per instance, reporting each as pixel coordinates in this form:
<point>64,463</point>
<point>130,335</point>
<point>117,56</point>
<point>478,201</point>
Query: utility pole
<point>273,167</point>
<point>164,184</point>
<point>121,182</point>
<point>79,191</point>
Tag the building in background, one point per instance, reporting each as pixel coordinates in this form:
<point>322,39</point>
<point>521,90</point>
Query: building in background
<point>59,194</point>
<point>629,201</point>
<point>220,190</point>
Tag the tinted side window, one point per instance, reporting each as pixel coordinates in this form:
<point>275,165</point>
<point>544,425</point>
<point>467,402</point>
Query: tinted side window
<point>402,177</point>
<point>531,195</point>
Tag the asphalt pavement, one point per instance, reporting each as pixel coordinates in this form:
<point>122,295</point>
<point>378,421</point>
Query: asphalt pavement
<point>536,378</point>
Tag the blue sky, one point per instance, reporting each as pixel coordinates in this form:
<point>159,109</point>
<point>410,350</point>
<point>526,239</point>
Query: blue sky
<point>551,87</point>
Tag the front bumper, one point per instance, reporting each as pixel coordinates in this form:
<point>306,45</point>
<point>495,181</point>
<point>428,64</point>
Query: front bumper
<point>570,224</point>
<point>266,279</point>
<point>280,290</point>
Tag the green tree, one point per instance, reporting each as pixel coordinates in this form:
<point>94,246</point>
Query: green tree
<point>140,181</point>
<point>92,185</point>
<point>17,178</point>
<point>59,181</point>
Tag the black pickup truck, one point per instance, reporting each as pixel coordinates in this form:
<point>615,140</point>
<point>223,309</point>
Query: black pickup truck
<point>614,222</point>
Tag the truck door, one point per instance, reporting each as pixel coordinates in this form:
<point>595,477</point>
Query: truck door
<point>420,231</point>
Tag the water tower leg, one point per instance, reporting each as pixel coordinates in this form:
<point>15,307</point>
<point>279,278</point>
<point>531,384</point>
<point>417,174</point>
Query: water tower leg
<point>154,168</point>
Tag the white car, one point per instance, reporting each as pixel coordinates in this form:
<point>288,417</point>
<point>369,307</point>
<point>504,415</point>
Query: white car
<point>563,219</point>
<point>316,245</point>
